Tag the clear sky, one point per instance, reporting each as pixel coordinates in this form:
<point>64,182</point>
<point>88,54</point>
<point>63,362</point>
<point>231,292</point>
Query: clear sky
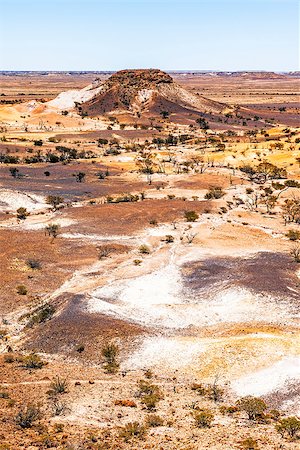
<point>166,34</point>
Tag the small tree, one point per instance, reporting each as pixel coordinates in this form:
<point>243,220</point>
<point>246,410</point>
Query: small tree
<point>54,201</point>
<point>52,230</point>
<point>253,406</point>
<point>288,425</point>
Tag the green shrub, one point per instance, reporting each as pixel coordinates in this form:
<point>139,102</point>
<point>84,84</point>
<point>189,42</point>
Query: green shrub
<point>191,216</point>
<point>32,361</point>
<point>41,315</point>
<point>288,425</point>
<point>110,353</point>
<point>253,406</point>
<point>144,249</point>
<point>150,394</point>
<point>293,235</point>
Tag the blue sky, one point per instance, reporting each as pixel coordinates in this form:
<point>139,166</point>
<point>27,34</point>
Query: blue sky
<point>167,34</point>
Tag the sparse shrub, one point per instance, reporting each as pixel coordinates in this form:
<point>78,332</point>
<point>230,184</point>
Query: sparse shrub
<point>132,430</point>
<point>110,352</point>
<point>153,420</point>
<point>151,400</point>
<point>295,253</point>
<point>54,201</point>
<point>289,426</point>
<point>137,262</point>
<point>293,235</point>
<point>191,216</point>
<point>249,444</point>
<point>58,407</point>
<point>52,230</point>
<point>215,192</point>
<point>32,361</point>
<point>215,392</point>
<point>150,394</point>
<point>80,348</point>
<point>148,374</point>
<point>41,315</point>
<point>22,213</point>
<point>153,222</point>
<point>203,418</point>
<point>9,359</point>
<point>34,264</point>
<point>4,394</point>
<point>228,409</point>
<point>292,183</point>
<point>169,239</point>
<point>199,388</point>
<point>58,386</point>
<point>22,290</point>
<point>274,414</point>
<point>79,176</point>
<point>27,416</point>
<point>144,249</point>
<point>253,406</point>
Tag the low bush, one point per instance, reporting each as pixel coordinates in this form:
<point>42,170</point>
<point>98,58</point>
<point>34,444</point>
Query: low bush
<point>249,444</point>
<point>191,216</point>
<point>41,315</point>
<point>293,235</point>
<point>32,361</point>
<point>33,264</point>
<point>58,386</point>
<point>215,192</point>
<point>253,406</point>
<point>27,416</point>
<point>144,249</point>
<point>22,290</point>
<point>153,420</point>
<point>132,430</point>
<point>203,418</point>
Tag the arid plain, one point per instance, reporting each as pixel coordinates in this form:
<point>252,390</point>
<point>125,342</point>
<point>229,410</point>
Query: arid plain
<point>149,229</point>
